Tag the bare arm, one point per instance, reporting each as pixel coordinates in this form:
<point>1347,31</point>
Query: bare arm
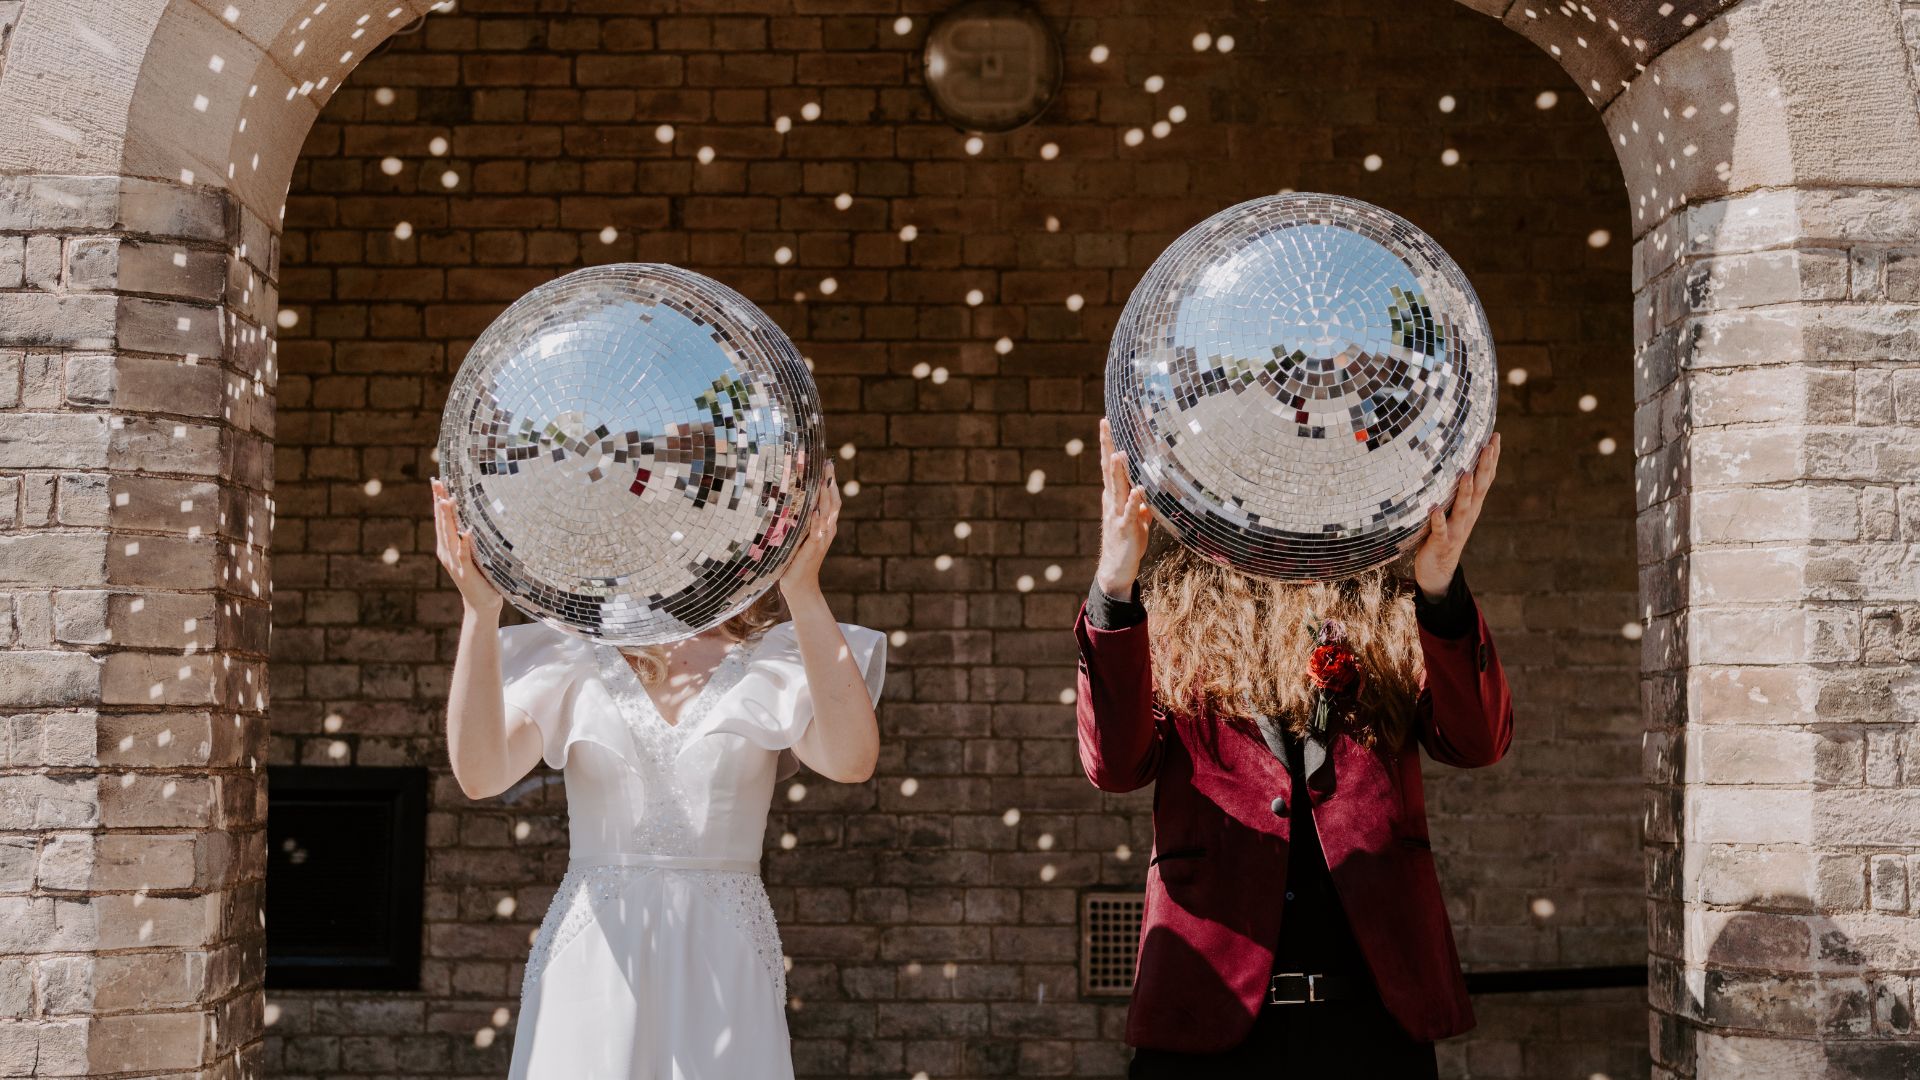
<point>491,747</point>
<point>843,741</point>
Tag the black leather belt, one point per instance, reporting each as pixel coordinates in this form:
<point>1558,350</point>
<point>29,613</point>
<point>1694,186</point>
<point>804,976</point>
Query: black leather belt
<point>1296,988</point>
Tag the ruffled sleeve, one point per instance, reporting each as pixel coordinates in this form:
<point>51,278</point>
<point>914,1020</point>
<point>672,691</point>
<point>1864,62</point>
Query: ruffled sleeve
<point>540,674</point>
<point>773,703</point>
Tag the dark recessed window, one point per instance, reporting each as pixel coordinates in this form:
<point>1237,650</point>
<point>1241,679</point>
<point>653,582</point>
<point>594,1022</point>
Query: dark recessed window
<point>346,858</point>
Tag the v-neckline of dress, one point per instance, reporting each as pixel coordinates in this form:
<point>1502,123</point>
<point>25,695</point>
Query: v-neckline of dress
<point>696,707</point>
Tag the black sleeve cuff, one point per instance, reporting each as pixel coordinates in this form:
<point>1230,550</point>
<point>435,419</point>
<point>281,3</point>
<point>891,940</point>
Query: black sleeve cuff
<point>1106,613</point>
<point>1453,617</point>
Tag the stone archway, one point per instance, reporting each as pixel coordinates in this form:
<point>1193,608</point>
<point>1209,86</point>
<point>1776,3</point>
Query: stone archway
<point>1770,160</point>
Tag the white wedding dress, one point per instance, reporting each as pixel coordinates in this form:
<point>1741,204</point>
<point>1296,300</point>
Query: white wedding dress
<point>659,958</point>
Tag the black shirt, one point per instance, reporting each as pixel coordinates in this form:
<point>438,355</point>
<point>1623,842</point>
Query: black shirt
<point>1315,937</point>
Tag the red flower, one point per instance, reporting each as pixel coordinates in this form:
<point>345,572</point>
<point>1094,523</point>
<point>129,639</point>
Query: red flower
<point>1335,670</point>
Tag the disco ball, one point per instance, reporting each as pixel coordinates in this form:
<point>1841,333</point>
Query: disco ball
<point>1297,381</point>
<point>634,447</point>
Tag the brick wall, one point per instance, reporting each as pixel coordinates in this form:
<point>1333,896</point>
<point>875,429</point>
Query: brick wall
<point>930,914</point>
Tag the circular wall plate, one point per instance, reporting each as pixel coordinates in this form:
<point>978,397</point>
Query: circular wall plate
<point>992,65</point>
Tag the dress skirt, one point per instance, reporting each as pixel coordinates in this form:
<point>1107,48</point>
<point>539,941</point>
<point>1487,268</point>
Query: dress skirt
<point>649,972</point>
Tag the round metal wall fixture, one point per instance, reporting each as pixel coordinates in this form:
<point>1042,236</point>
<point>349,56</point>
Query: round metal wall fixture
<point>992,65</point>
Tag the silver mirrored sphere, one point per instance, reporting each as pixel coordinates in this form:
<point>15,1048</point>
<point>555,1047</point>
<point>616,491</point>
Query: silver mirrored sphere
<point>634,448</point>
<point>1297,381</point>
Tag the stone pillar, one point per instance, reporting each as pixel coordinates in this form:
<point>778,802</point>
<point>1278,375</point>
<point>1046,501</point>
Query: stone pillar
<point>135,427</point>
<point>1779,487</point>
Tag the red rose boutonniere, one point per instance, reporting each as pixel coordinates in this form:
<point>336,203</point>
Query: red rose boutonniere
<point>1335,671</point>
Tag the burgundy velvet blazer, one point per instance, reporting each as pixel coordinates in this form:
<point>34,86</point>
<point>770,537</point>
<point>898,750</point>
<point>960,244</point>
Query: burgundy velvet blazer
<point>1213,912</point>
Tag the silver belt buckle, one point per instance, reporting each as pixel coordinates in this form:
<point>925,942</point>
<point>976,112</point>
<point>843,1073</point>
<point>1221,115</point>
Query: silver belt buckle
<point>1313,989</point>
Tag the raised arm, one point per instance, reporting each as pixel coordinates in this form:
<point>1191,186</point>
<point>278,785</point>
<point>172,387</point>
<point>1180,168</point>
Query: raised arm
<point>843,740</point>
<point>1119,729</point>
<point>1465,712</point>
<point>491,747</point>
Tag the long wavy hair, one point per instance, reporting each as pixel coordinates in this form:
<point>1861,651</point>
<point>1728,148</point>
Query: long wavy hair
<point>770,610</point>
<point>1234,644</point>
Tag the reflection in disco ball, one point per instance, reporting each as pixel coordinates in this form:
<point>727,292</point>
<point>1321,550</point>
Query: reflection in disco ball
<point>1297,381</point>
<point>633,447</point>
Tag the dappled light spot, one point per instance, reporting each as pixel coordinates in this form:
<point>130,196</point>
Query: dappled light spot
<point>1448,103</point>
<point>332,723</point>
<point>1024,583</point>
<point>1124,853</point>
<point>1599,238</point>
<point>1045,841</point>
<point>1069,696</point>
<point>796,792</point>
<point>897,638</point>
<point>909,233</point>
<point>975,144</point>
<point>609,234</point>
<point>1541,907</point>
<point>383,96</point>
<point>1154,84</point>
<point>975,297</point>
<point>704,155</point>
<point>1449,156</point>
<point>1052,572</point>
<point>1632,631</point>
<point>1098,54</point>
<point>1075,447</point>
<point>829,286</point>
<point>1049,872</point>
<point>391,166</point>
<point>1588,403</point>
<point>1373,162</point>
<point>372,487</point>
<point>783,124</point>
<point>1011,817</point>
<point>522,830</point>
<point>390,556</point>
<point>483,1038</point>
<point>788,841</point>
<point>1036,481</point>
<point>1076,302</point>
<point>851,488</point>
<point>1003,346</point>
<point>438,146</point>
<point>1049,151</point>
<point>903,26</point>
<point>663,133</point>
<point>783,255</point>
<point>1202,41</point>
<point>1547,100</point>
<point>939,375</point>
<point>962,529</point>
<point>1134,137</point>
<point>287,318</point>
<point>810,111</point>
<point>922,369</point>
<point>842,201</point>
<point>909,787</point>
<point>1608,446</point>
<point>504,908</point>
<point>1517,376</point>
<point>1224,43</point>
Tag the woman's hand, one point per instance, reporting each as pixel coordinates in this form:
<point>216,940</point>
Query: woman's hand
<point>1439,554</point>
<point>802,578</point>
<point>454,547</point>
<point>1125,520</point>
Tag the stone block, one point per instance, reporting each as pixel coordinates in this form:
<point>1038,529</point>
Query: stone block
<point>142,444</point>
<point>173,211</point>
<point>153,1042</point>
<point>16,988</point>
<point>151,801</point>
<point>52,558</point>
<point>151,980</point>
<point>53,320</point>
<point>82,499</point>
<point>1868,818</point>
<point>44,679</point>
<point>53,441</point>
<point>170,327</point>
<point>1734,815</point>
<point>157,740</point>
<point>18,855</point>
<point>131,678</point>
<point>66,862</point>
<point>1887,882</point>
<point>1750,755</point>
<point>30,204</point>
<point>44,257</point>
<point>80,616</point>
<point>13,261</point>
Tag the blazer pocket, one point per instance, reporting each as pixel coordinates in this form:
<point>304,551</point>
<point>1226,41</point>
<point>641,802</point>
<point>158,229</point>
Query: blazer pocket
<point>1178,853</point>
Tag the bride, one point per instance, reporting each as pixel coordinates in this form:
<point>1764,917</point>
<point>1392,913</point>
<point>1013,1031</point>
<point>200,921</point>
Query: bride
<point>659,959</point>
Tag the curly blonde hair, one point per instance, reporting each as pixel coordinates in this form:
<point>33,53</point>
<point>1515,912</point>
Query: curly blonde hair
<point>1224,641</point>
<point>770,610</point>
